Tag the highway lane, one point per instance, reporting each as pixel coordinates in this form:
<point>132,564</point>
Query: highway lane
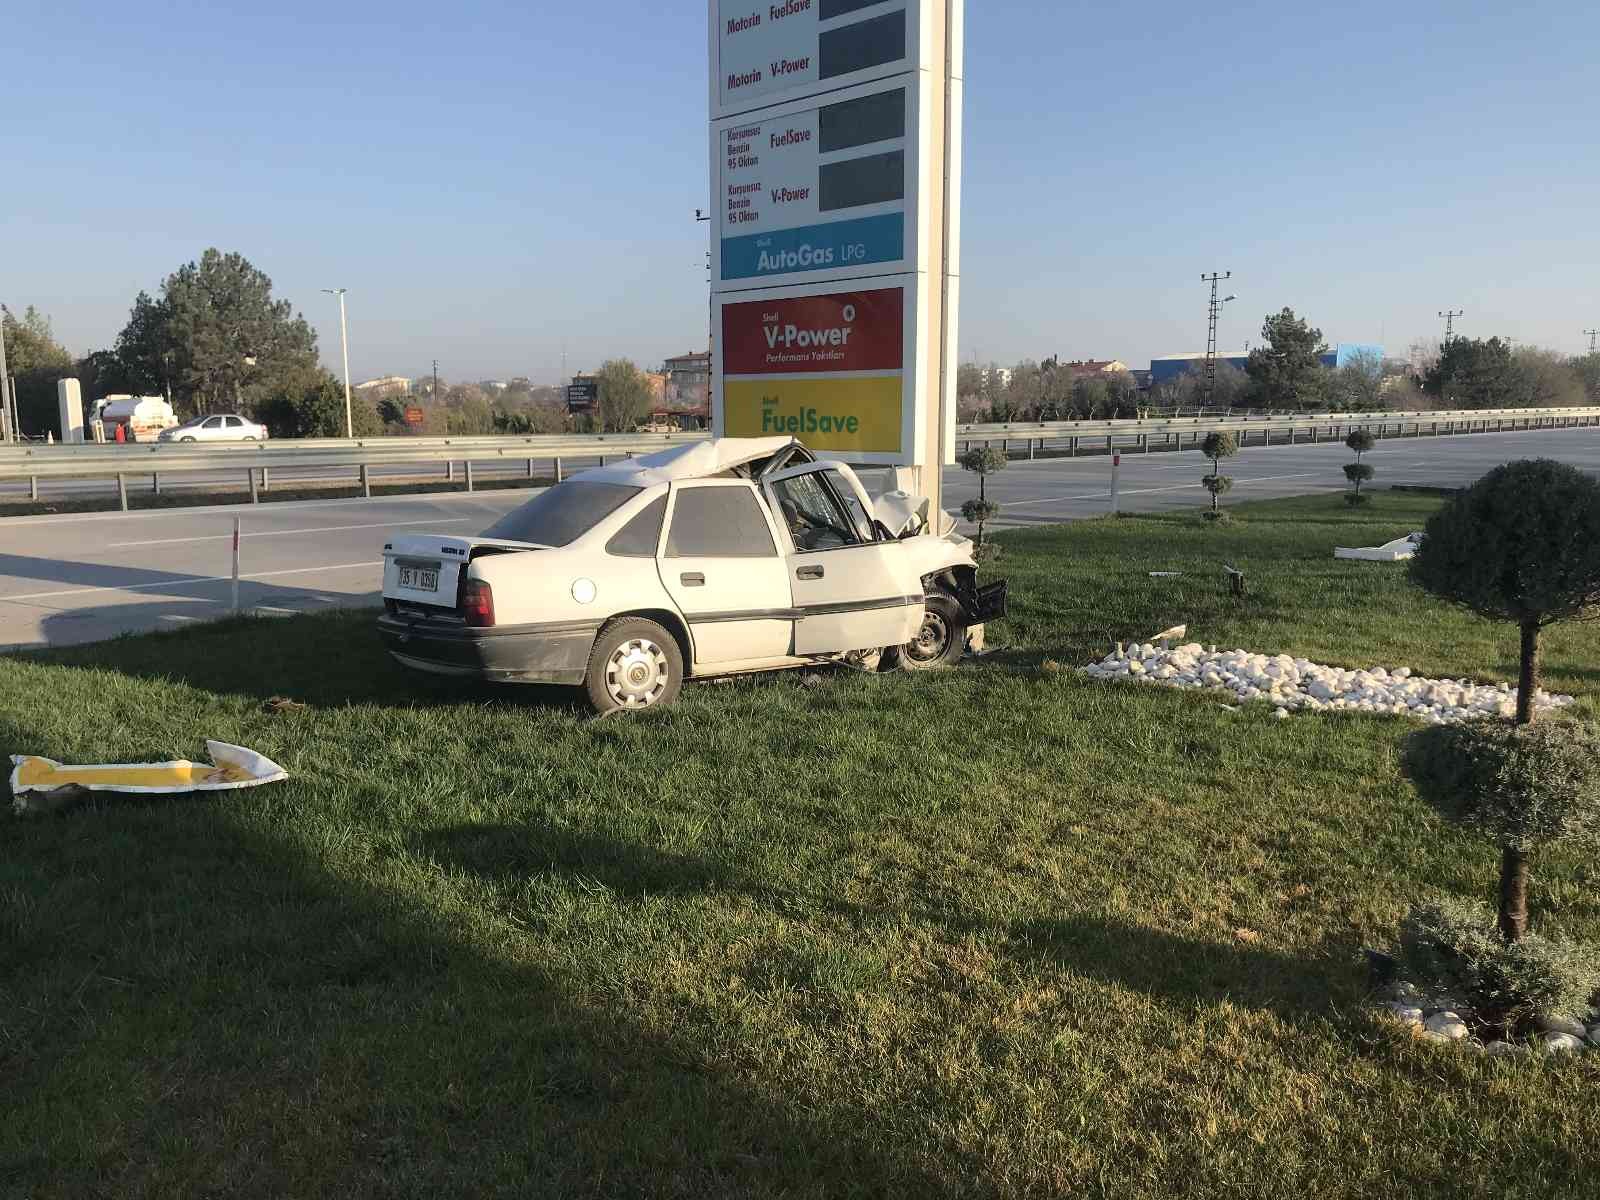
<point>85,577</point>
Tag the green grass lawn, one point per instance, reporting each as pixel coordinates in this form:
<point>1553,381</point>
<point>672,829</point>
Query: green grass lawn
<point>995,932</point>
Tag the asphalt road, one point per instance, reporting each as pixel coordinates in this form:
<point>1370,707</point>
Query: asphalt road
<point>86,577</point>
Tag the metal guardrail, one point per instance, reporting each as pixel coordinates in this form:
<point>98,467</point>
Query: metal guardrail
<point>34,462</point>
<point>1174,432</point>
<point>256,460</point>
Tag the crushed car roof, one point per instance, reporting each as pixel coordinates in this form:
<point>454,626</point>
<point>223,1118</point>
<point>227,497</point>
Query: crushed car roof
<point>697,460</point>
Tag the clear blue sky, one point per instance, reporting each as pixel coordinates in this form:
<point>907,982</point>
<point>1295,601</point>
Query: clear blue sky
<point>495,182</point>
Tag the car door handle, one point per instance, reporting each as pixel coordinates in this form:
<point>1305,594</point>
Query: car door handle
<point>692,579</point>
<point>810,573</point>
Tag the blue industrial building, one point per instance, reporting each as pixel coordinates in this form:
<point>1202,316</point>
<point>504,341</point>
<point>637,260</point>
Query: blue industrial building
<point>1164,369</point>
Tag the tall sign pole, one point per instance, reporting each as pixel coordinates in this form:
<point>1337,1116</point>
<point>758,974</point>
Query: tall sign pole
<point>836,187</point>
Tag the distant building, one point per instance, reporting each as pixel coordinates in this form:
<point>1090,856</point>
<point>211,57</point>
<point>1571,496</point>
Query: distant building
<point>1343,355</point>
<point>688,380</point>
<point>690,420</point>
<point>1090,368</point>
<point>389,385</point>
<point>1000,377</point>
<point>658,386</point>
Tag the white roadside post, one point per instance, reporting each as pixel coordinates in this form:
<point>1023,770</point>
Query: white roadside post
<point>236,566</point>
<point>836,195</point>
<point>1116,481</point>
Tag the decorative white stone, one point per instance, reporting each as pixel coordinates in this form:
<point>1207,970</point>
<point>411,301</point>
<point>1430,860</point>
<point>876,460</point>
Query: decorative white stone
<point>1504,1049</point>
<point>1561,1043</point>
<point>1282,714</point>
<point>1406,1014</point>
<point>1447,1024</point>
<point>1292,684</point>
<point>1565,1025</point>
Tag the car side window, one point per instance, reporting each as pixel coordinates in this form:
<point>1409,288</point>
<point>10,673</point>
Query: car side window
<point>813,516</point>
<point>859,517</point>
<point>233,422</point>
<point>719,522</point>
<point>213,423</point>
<point>641,535</point>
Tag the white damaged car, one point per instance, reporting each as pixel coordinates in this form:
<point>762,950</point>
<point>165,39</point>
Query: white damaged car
<point>718,558</point>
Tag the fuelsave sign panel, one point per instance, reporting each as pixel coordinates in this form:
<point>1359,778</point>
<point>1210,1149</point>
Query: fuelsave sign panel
<point>828,368</point>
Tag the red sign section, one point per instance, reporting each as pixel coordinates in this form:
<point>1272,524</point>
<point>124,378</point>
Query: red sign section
<point>843,331</point>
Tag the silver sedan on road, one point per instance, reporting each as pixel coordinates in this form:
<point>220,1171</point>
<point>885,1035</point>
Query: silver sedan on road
<point>219,427</point>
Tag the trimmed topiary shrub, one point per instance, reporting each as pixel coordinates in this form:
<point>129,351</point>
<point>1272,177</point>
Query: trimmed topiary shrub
<point>1523,786</point>
<point>984,463</point>
<point>1216,447</point>
<point>1358,472</point>
<point>1456,946</point>
<point>1522,544</point>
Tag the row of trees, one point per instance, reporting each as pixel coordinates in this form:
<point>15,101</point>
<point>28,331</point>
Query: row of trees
<point>214,338</point>
<point>1287,372</point>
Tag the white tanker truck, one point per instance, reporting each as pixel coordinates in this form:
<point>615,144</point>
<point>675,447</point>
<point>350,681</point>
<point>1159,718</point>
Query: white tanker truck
<point>141,417</point>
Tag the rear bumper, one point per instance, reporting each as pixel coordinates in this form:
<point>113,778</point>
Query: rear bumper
<point>504,654</point>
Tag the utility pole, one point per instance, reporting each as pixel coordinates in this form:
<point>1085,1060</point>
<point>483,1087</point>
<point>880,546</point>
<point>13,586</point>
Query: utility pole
<point>1215,310</point>
<point>344,340</point>
<point>1450,323</point>
<point>1592,334</point>
<point>435,394</point>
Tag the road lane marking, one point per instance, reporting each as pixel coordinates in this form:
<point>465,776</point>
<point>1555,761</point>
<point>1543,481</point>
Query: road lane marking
<point>223,537</point>
<point>183,583</point>
<point>1106,495</point>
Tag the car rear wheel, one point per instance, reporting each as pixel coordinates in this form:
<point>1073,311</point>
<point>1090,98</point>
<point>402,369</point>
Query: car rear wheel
<point>939,643</point>
<point>635,665</point>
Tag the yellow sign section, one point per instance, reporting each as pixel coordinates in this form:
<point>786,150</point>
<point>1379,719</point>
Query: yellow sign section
<point>863,415</point>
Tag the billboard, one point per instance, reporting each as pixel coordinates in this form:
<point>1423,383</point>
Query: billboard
<point>583,395</point>
<point>831,366</point>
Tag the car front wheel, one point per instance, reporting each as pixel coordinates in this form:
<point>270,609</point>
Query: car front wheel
<point>186,439</point>
<point>939,643</point>
<point>635,665</point>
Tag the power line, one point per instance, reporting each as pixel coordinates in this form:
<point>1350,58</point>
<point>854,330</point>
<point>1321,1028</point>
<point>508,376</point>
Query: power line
<point>1214,280</point>
<point>1450,321</point>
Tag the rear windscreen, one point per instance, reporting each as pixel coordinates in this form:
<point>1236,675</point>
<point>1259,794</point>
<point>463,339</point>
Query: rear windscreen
<point>562,515</point>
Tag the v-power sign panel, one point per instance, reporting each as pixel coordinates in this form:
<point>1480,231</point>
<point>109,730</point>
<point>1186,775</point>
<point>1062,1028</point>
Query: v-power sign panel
<point>765,51</point>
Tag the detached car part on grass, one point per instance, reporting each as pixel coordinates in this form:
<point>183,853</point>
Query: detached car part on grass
<point>719,558</point>
<point>40,785</point>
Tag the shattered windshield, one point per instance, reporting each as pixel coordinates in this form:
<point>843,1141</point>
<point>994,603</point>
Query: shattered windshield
<point>563,514</point>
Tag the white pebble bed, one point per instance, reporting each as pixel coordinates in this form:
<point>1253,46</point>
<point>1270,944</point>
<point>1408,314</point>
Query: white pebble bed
<point>1295,685</point>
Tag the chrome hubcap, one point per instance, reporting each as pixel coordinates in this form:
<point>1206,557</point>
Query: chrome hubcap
<point>637,674</point>
<point>932,638</point>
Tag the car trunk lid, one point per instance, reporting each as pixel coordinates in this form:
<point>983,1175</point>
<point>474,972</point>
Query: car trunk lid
<point>423,572</point>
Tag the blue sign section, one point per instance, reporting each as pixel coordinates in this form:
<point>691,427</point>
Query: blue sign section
<point>862,242</point>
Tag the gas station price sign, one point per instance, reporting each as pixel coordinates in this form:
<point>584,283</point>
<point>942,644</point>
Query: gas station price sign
<point>819,190</point>
<point>766,51</point>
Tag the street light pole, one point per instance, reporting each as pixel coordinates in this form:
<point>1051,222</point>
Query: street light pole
<point>344,341</point>
<point>8,419</point>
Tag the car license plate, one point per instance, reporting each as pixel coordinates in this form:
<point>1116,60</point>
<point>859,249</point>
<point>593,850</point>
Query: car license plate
<point>420,579</point>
